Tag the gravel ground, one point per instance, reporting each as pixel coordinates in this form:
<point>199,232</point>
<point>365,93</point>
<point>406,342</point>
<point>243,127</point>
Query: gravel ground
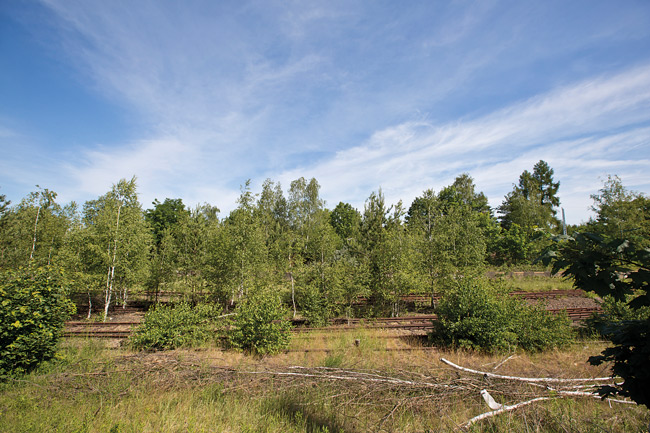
<point>568,302</point>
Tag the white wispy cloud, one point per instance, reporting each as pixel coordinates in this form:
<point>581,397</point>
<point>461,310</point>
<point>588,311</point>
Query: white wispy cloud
<point>576,129</point>
<point>224,91</point>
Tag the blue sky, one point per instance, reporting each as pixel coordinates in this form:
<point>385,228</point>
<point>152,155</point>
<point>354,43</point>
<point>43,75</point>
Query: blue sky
<point>195,97</point>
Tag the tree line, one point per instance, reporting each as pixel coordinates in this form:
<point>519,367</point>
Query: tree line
<point>320,260</point>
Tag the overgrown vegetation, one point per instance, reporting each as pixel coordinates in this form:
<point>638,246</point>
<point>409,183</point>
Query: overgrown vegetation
<point>173,326</point>
<point>621,270</point>
<point>91,388</point>
<point>320,263</point>
<point>260,325</point>
<point>320,260</point>
<point>615,312</point>
<point>478,314</point>
<point>34,304</point>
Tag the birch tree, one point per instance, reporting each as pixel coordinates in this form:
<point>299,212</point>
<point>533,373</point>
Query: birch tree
<point>164,220</point>
<point>118,240</point>
<point>238,252</point>
<point>621,213</point>
<point>450,229</point>
<point>388,253</point>
<point>32,231</point>
<point>192,241</point>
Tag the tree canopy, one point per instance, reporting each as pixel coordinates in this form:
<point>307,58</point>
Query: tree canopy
<point>318,260</point>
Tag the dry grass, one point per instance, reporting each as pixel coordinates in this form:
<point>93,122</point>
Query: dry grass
<point>363,388</point>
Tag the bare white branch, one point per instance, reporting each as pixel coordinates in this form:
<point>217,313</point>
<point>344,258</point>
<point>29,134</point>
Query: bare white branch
<point>524,379</point>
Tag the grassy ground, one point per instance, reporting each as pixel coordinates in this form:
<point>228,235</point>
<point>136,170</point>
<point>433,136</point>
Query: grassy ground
<point>346,382</point>
<point>537,283</point>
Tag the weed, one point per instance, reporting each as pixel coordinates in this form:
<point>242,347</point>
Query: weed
<point>96,389</point>
<point>334,360</point>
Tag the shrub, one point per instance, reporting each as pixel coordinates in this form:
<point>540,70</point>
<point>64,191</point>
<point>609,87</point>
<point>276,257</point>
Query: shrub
<point>615,312</point>
<point>314,306</point>
<point>174,326</point>
<point>34,306</point>
<point>260,325</point>
<point>477,314</point>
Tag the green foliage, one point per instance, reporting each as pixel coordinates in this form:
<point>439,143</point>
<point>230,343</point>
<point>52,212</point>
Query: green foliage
<point>526,213</point>
<point>314,306</point>
<point>346,221</point>
<point>450,231</point>
<point>174,326</point>
<point>616,311</point>
<point>33,308</point>
<point>33,231</point>
<point>166,222</point>
<point>477,314</point>
<point>304,203</point>
<point>530,204</point>
<point>606,267</point>
<point>462,193</point>
<point>238,253</point>
<point>621,213</point>
<point>621,270</point>
<point>630,355</point>
<point>165,216</point>
<point>518,245</point>
<point>116,242</point>
<point>191,240</point>
<point>389,256</point>
<point>260,325</point>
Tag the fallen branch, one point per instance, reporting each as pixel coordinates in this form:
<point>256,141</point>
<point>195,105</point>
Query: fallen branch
<point>352,375</point>
<point>580,394</point>
<point>503,362</point>
<point>502,410</point>
<point>361,375</point>
<point>498,408</point>
<point>523,379</point>
<point>589,394</point>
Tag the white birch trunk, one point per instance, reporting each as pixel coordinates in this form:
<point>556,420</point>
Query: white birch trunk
<point>293,288</point>
<point>90,306</point>
<point>111,274</point>
<point>31,254</point>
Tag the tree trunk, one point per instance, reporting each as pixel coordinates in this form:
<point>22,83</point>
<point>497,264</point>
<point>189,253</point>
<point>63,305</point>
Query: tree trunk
<point>293,289</point>
<point>90,306</point>
<point>111,273</point>
<point>108,281</point>
<point>31,254</point>
<point>125,295</point>
<point>293,296</point>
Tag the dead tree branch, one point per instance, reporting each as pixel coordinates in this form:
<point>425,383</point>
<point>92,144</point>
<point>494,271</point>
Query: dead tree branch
<point>524,379</point>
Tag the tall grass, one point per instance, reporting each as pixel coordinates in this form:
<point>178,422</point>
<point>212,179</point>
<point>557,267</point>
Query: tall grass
<point>91,387</point>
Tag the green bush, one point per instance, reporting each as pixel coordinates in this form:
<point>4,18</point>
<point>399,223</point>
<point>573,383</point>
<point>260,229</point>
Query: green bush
<point>173,326</point>
<point>260,325</point>
<point>34,306</point>
<point>479,315</point>
<point>314,306</point>
<point>615,311</point>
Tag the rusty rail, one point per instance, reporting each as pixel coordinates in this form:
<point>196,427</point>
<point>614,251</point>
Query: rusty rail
<point>423,322</point>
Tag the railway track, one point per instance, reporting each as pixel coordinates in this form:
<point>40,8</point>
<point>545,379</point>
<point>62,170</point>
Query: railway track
<point>419,298</point>
<point>407,323</point>
<point>549,294</point>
